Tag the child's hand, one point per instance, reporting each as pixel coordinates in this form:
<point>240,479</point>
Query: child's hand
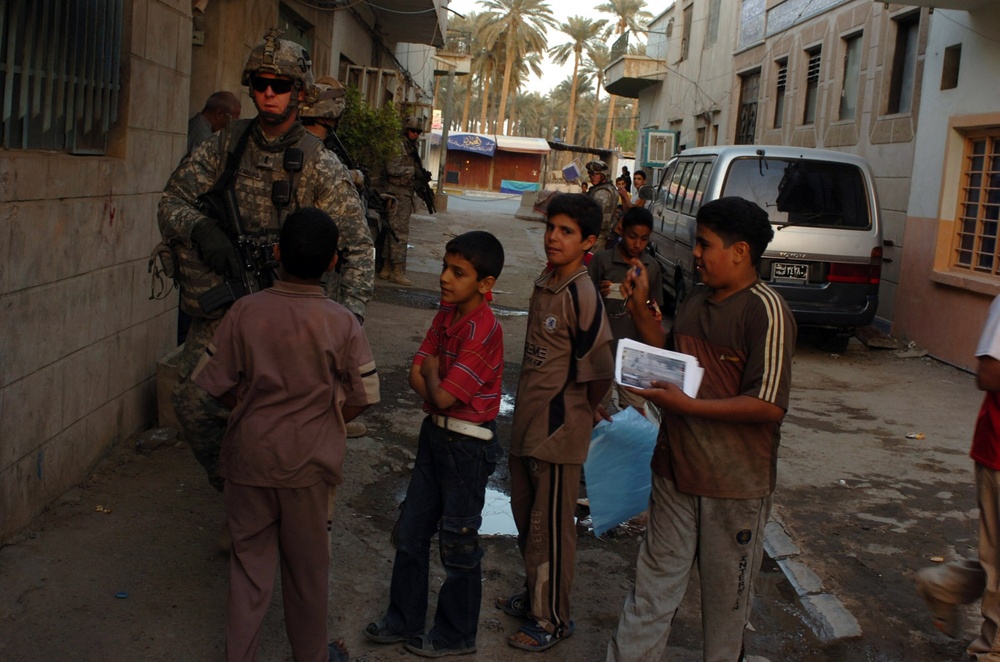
<point>636,283</point>
<point>601,414</point>
<point>605,288</point>
<point>664,395</point>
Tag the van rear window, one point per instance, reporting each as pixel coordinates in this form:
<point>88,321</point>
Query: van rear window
<point>802,192</point>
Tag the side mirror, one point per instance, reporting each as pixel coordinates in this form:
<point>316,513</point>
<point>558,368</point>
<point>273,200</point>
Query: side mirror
<point>646,192</point>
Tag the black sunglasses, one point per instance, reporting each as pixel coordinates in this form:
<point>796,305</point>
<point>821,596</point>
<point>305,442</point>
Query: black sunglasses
<point>277,85</point>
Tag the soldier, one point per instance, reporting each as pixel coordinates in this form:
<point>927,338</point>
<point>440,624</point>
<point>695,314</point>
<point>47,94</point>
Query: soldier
<point>275,166</point>
<point>400,174</point>
<point>606,195</point>
<point>320,115</point>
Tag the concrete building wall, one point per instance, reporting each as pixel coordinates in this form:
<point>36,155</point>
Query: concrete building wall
<point>885,139</point>
<point>942,308</point>
<point>80,334</point>
<point>695,92</point>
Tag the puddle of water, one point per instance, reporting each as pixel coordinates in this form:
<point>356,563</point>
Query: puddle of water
<point>506,405</point>
<point>497,518</point>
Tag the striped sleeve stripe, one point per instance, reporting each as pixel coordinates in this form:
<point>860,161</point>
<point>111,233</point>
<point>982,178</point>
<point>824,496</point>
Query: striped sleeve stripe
<point>774,343</point>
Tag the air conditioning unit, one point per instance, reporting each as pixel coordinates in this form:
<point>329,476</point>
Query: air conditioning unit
<point>658,146</point>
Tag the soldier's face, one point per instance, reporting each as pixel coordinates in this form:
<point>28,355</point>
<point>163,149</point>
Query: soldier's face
<point>271,93</point>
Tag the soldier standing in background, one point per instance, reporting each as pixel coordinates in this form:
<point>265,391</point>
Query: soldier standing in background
<point>606,195</point>
<point>275,166</point>
<point>400,175</point>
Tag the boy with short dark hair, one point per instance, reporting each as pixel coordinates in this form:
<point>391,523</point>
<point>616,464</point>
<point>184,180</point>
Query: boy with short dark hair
<point>458,372</point>
<point>608,270</point>
<point>565,373</point>
<point>716,455</point>
<point>284,445</point>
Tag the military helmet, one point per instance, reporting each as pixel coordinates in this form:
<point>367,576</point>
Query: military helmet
<point>414,123</point>
<point>279,57</point>
<point>323,101</point>
<point>597,166</point>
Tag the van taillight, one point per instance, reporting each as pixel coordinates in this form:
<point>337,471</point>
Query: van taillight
<point>863,274</point>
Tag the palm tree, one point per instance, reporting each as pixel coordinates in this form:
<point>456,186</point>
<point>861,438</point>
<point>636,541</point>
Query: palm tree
<point>581,31</point>
<point>520,25</point>
<point>630,15</point>
<point>600,58</point>
<point>527,65</point>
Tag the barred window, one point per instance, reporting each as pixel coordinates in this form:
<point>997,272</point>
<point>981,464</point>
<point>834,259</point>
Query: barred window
<point>812,86</point>
<point>779,93</point>
<point>746,123</point>
<point>978,214</point>
<point>60,63</point>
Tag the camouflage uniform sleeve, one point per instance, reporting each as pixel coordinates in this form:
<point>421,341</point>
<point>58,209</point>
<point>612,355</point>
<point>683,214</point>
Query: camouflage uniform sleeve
<point>402,166</point>
<point>177,212</point>
<point>332,191</point>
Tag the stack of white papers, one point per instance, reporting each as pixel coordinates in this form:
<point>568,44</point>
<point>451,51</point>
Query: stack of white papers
<point>639,365</point>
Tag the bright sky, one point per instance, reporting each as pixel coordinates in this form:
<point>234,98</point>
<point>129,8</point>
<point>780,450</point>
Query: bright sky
<point>552,74</point>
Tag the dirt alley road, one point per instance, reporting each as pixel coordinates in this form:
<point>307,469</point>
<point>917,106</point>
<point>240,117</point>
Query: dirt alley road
<point>865,505</point>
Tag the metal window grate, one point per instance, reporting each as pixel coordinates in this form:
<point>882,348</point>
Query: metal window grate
<point>782,76</point>
<point>978,215</point>
<point>812,73</point>
<point>60,72</point>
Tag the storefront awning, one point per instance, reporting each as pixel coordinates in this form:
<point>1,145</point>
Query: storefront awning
<point>522,144</point>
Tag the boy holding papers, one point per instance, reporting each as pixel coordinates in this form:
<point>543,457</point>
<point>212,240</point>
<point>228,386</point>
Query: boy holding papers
<point>716,455</point>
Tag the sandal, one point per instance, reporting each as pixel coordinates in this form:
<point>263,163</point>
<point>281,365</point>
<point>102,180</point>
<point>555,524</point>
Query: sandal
<point>380,633</point>
<point>516,605</point>
<point>540,638</point>
<point>424,646</point>
<point>338,651</point>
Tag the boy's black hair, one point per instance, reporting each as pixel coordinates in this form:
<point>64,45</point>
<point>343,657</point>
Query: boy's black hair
<point>308,241</point>
<point>637,216</point>
<point>736,219</point>
<point>581,208</point>
<point>481,249</point>
<point>640,172</point>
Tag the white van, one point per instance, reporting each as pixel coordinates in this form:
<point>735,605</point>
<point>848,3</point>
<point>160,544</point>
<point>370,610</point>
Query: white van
<point>826,255</point>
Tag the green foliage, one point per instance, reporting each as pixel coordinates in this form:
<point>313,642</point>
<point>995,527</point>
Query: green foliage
<point>371,135</point>
<point>626,139</point>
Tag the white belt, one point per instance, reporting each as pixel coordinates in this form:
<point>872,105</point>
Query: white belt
<point>461,427</point>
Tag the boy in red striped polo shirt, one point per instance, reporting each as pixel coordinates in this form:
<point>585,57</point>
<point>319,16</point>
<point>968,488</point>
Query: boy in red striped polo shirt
<point>458,372</point>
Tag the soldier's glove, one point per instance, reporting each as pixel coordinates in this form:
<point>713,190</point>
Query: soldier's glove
<point>215,248</point>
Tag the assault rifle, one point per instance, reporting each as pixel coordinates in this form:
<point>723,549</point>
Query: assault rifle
<point>375,212</point>
<point>422,187</point>
<point>256,251</point>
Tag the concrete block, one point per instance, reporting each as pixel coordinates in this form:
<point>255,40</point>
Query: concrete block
<point>144,90</point>
<point>829,619</point>
<point>161,35</point>
<point>31,177</point>
<point>777,543</point>
<point>30,415</point>
<point>803,580</point>
<point>166,380</point>
<point>85,379</point>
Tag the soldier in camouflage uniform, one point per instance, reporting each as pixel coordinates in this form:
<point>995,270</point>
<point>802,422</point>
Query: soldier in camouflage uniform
<point>278,77</point>
<point>606,195</point>
<point>398,181</point>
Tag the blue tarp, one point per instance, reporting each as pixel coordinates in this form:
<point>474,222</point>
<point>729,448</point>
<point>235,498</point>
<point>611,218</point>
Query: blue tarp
<point>617,469</point>
<point>513,186</point>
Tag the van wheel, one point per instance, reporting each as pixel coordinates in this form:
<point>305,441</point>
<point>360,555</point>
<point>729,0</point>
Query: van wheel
<point>833,340</point>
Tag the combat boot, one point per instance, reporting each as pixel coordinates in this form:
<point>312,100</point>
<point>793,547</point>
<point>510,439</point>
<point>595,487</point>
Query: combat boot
<point>384,274</point>
<point>398,276</point>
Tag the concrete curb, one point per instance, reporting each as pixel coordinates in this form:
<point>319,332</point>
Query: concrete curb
<point>827,616</point>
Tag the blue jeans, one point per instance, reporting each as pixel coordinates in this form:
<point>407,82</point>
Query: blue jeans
<point>448,488</point>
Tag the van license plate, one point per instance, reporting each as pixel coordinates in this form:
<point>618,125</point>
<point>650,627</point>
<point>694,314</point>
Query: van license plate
<point>787,271</point>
